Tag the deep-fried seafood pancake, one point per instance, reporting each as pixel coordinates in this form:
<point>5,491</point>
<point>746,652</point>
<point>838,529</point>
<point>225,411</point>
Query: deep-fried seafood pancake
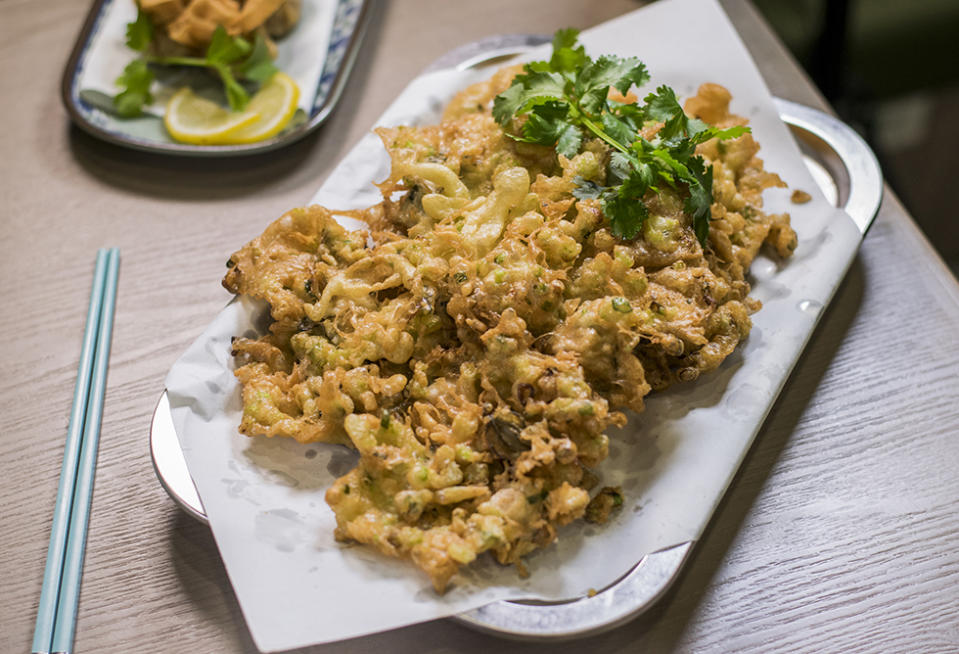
<point>475,355</point>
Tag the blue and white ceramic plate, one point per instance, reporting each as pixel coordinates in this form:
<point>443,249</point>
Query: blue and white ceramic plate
<point>318,54</point>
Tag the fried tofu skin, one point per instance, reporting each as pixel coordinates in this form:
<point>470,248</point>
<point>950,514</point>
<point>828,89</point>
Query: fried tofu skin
<point>187,26</point>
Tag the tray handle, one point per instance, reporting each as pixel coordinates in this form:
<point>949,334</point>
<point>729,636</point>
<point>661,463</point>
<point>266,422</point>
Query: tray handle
<point>622,601</point>
<point>862,172</point>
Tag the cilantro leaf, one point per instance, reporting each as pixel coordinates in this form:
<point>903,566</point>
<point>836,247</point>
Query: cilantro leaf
<point>663,106</point>
<point>630,114</point>
<point>609,71</point>
<point>565,37</point>
<point>700,197</point>
<point>140,32</point>
<point>617,128</point>
<point>696,128</point>
<point>527,91</point>
<point>626,210</point>
<point>714,132</point>
<point>586,188</point>
<point>566,57</point>
<point>622,204</point>
<point>670,164</point>
<point>647,173</point>
<point>507,103</point>
<point>135,84</point>
<point>597,77</point>
<point>636,185</point>
<point>545,123</point>
<point>566,99</point>
<point>619,167</point>
<point>570,140</point>
<point>626,213</point>
<point>541,87</point>
<point>258,67</point>
<point>548,124</point>
<point>226,49</point>
<point>236,95</point>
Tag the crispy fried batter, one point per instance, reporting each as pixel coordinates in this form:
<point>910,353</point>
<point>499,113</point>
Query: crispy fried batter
<point>476,354</point>
<point>187,26</point>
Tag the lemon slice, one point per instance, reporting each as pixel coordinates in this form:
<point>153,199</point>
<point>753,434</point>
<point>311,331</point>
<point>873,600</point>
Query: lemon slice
<point>275,102</point>
<point>192,119</point>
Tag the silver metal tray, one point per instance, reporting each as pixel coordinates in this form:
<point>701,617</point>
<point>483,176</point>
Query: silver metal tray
<point>848,174</point>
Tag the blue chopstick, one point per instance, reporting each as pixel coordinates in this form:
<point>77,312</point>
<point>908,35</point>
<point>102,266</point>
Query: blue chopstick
<point>46,612</point>
<point>56,615</point>
<point>64,627</point>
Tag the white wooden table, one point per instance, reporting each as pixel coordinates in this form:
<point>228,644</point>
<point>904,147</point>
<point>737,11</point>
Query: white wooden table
<point>840,534</point>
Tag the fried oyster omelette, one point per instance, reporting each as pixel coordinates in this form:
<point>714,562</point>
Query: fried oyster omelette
<point>475,345</point>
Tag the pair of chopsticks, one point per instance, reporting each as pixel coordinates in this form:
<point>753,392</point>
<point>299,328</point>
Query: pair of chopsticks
<point>56,615</point>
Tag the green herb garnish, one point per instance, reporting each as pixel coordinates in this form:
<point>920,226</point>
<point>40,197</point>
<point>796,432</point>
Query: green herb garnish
<point>566,100</point>
<point>135,82</point>
<point>232,58</point>
<point>140,33</point>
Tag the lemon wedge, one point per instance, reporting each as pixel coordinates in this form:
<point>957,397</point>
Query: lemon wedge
<point>192,119</point>
<point>275,103</point>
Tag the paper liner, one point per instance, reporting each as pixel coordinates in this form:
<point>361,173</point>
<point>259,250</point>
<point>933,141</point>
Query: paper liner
<point>264,497</point>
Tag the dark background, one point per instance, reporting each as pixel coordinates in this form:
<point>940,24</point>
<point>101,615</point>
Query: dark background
<point>891,70</point>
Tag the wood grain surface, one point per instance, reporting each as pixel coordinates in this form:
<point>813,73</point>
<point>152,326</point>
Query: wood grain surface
<point>840,533</point>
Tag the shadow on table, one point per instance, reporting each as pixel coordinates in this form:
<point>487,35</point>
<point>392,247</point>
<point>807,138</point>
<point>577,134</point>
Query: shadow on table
<point>200,571</point>
<point>662,628</point>
<point>193,178</point>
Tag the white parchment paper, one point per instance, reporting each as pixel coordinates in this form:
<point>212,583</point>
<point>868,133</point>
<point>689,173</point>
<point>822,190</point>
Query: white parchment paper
<point>300,54</point>
<point>264,497</point>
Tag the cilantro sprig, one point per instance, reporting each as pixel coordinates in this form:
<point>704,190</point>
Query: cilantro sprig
<point>233,58</point>
<point>566,100</point>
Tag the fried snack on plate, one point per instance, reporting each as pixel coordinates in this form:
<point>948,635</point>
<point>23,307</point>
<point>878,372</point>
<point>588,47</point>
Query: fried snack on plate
<point>185,26</point>
<point>476,353</point>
